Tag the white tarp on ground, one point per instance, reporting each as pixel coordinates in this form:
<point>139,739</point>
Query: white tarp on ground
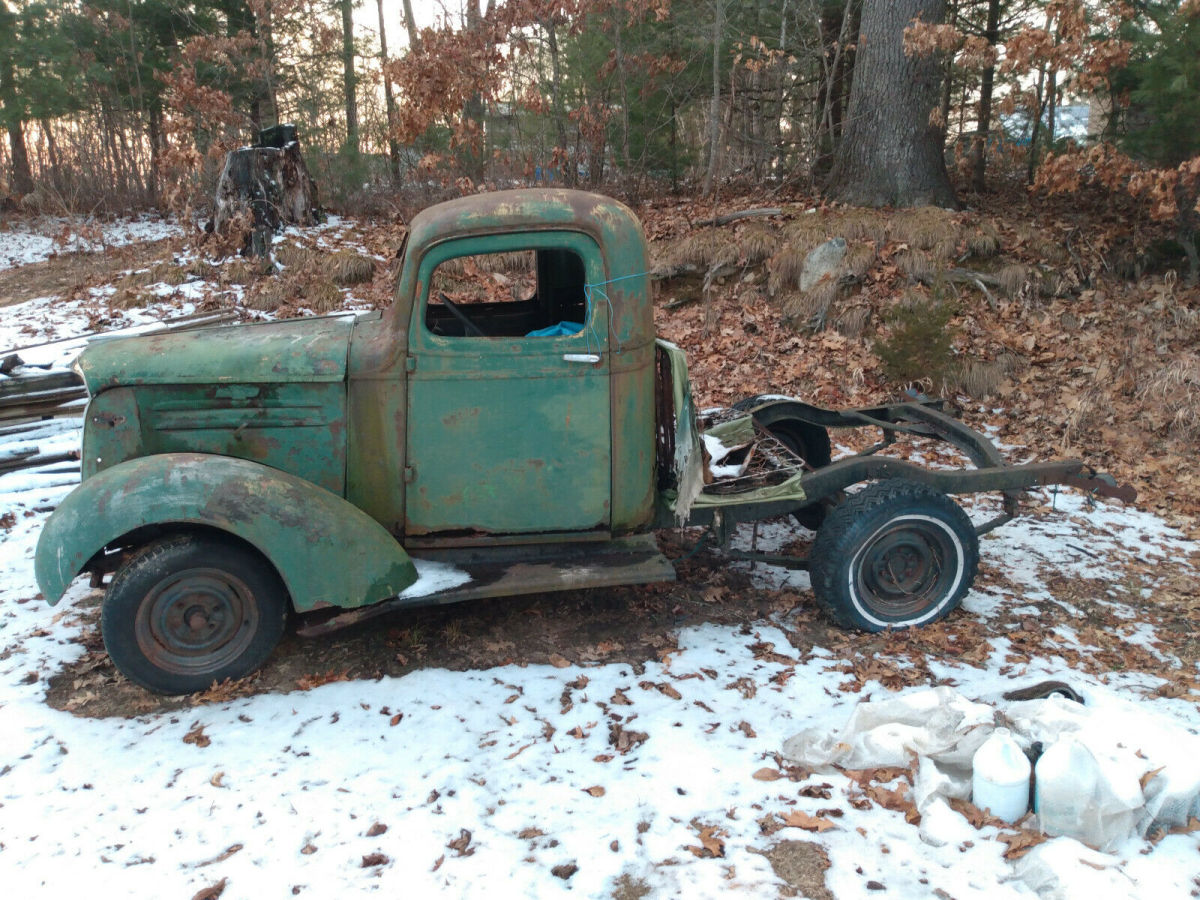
<point>1135,793</point>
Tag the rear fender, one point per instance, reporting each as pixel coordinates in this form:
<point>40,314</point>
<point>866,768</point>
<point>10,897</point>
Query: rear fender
<point>327,551</point>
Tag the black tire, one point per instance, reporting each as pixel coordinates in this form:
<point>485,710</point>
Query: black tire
<point>895,555</point>
<point>186,611</point>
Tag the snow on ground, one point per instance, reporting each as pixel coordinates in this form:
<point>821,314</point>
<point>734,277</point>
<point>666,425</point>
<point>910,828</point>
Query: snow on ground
<point>506,773</point>
<point>538,781</point>
<point>26,242</point>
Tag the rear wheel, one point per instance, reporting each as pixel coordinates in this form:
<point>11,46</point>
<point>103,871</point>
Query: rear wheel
<point>187,611</point>
<point>894,555</point>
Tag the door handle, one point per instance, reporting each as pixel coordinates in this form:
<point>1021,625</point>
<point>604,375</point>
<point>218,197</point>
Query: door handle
<point>591,358</point>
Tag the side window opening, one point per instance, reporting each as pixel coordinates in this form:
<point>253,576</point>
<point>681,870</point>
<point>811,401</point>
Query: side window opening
<point>528,293</point>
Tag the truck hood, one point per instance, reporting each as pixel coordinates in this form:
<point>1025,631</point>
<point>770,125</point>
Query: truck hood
<point>295,350</point>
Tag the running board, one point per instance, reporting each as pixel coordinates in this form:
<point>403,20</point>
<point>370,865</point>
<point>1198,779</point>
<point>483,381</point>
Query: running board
<point>510,571</point>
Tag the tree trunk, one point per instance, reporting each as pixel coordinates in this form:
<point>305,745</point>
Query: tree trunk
<point>714,111</point>
<point>349,81</point>
<point>389,99</point>
<point>22,175</point>
<point>979,150</point>
<point>890,154</point>
<point>411,25</point>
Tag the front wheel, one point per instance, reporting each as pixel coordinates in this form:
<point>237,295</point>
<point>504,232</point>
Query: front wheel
<point>188,611</point>
<point>894,555</point>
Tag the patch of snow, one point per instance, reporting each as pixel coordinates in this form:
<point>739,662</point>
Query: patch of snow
<point>29,242</point>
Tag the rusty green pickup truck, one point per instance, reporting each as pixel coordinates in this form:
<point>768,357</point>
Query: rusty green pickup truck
<point>509,425</point>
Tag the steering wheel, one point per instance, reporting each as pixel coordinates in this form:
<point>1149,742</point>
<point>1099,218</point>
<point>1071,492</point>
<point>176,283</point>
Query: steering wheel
<point>469,327</point>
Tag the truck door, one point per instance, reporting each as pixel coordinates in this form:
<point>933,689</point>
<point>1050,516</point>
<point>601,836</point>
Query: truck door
<point>509,429</point>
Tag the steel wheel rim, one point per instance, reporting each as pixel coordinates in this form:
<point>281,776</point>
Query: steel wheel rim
<point>197,621</point>
<point>905,568</point>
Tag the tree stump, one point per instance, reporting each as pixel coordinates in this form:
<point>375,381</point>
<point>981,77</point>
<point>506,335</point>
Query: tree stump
<point>264,187</point>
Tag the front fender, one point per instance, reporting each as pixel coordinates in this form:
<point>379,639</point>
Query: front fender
<point>326,550</point>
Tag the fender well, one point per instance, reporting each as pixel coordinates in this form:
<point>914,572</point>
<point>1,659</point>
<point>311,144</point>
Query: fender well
<point>327,551</point>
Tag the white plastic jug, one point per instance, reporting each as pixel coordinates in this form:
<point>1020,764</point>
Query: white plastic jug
<point>1000,777</point>
<point>1064,796</point>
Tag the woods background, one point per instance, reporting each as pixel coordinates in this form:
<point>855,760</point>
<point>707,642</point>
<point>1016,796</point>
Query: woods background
<point>117,104</point>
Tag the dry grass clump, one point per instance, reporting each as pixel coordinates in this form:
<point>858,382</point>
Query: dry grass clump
<point>238,272</point>
<point>1172,391</point>
<point>321,296</point>
<point>852,321</point>
<point>785,267</point>
<point>267,296</point>
<point>1013,278</point>
<point>983,241</point>
<point>132,298</point>
<point>756,243</point>
<point>810,309</point>
<point>347,267</point>
<point>980,378</point>
<point>925,228</point>
<point>916,264</point>
<point>859,258</point>
<point>290,254</point>
<point>702,249</point>
<point>858,224</point>
<point>134,280</point>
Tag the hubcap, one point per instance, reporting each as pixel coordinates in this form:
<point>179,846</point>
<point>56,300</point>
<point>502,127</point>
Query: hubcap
<point>196,621</point>
<point>904,569</point>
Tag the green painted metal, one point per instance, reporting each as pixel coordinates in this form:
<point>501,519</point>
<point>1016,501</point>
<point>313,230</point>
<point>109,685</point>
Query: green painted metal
<point>509,435</point>
<point>295,350</point>
<point>298,427</point>
<point>328,552</point>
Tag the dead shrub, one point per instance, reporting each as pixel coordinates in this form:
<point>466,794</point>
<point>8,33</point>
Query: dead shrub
<point>347,267</point>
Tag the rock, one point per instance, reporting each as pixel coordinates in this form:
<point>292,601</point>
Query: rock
<point>822,261</point>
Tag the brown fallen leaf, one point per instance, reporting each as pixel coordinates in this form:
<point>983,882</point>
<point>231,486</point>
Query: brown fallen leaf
<point>798,819</point>
<point>1020,843</point>
<point>308,849</point>
<point>197,736</point>
<point>1147,777</point>
<point>395,720</point>
<point>711,843</point>
<point>558,661</point>
<point>519,750</point>
<point>212,892</point>
<point>374,859</point>
<point>437,863</point>
<point>768,774</point>
<point>461,845</point>
<point>595,790</point>
<point>218,779</point>
<point>619,699</point>
<point>376,830</point>
<point>529,833</point>
<point>220,857</point>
